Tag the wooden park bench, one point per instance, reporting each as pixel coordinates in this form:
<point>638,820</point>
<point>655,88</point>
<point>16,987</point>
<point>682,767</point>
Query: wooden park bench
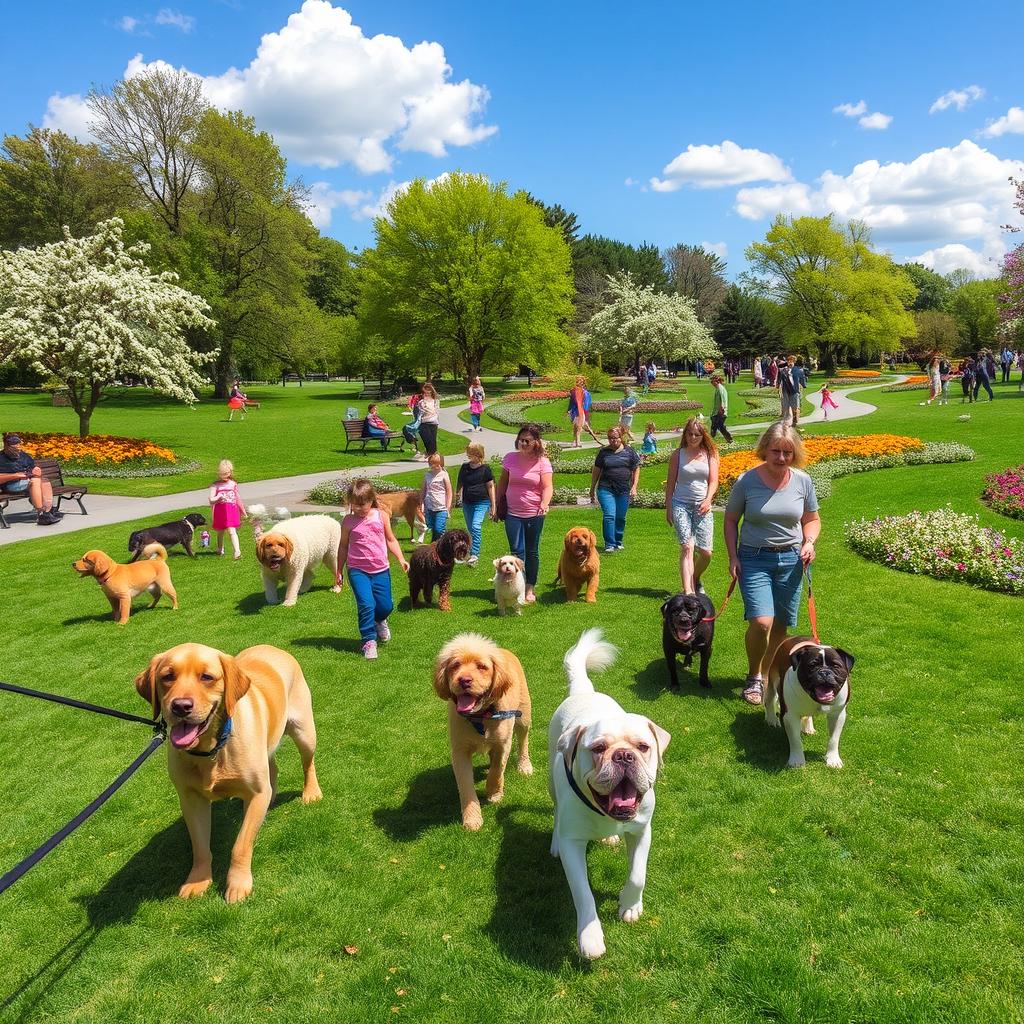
<point>354,435</point>
<point>50,469</point>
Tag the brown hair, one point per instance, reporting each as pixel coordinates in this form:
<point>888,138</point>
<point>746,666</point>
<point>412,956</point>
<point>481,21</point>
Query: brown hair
<point>782,432</point>
<point>707,442</point>
<point>360,491</point>
<point>428,390</point>
<point>436,455</point>
<point>532,431</point>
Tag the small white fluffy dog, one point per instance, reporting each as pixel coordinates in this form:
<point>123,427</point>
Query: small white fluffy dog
<point>292,550</point>
<point>603,765</point>
<point>509,584</point>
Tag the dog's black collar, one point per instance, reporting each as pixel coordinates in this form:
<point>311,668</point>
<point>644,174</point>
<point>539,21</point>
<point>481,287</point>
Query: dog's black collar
<point>477,718</point>
<point>574,786</point>
<point>222,737</point>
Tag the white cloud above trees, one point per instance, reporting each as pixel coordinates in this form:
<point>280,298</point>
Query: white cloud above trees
<point>957,256</point>
<point>719,166</point>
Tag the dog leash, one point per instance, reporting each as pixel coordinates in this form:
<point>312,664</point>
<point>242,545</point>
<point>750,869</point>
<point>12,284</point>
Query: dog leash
<point>812,612</point>
<point>725,603</point>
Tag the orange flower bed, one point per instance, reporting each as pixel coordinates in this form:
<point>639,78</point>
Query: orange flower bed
<point>819,448</point>
<point>858,373</point>
<point>540,395</point>
<point>917,378</point>
<point>98,449</point>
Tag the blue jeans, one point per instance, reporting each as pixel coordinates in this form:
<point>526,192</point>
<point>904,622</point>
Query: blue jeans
<point>369,431</point>
<point>613,524</point>
<point>474,418</point>
<point>436,521</point>
<point>372,592</point>
<point>524,542</point>
<point>475,513</point>
<point>982,382</point>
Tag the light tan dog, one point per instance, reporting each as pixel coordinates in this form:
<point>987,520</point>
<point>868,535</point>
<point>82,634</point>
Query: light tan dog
<point>579,565</point>
<point>509,584</point>
<point>407,505</point>
<point>293,550</point>
<point>121,583</point>
<point>488,702</point>
<point>261,694</point>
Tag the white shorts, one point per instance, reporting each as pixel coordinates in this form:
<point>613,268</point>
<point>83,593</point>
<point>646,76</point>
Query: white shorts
<point>691,525</point>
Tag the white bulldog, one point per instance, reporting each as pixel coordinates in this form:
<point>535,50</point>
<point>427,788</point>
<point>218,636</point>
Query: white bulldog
<point>603,765</point>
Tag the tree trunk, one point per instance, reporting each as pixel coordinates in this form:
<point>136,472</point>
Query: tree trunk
<point>84,416</point>
<point>223,371</point>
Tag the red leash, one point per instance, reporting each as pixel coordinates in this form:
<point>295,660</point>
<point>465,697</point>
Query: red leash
<point>725,603</point>
<point>812,612</point>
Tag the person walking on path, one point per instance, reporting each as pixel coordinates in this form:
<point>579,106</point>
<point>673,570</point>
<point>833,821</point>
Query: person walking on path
<point>778,507</point>
<point>626,409</point>
<point>428,407</point>
<point>476,397</point>
<point>526,485</point>
<point>934,379</point>
<point>613,482</point>
<point>788,377</point>
<point>827,401</point>
<point>689,491</point>
<point>19,474</point>
<point>981,376</point>
<point>719,407</point>
<point>227,506</point>
<point>1006,359</point>
<point>579,411</point>
<point>966,371</point>
<point>366,539</point>
<point>758,374</point>
<point>437,495</point>
<point>474,488</point>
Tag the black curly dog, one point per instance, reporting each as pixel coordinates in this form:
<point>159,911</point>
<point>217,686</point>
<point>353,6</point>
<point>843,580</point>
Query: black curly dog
<point>179,532</point>
<point>432,565</point>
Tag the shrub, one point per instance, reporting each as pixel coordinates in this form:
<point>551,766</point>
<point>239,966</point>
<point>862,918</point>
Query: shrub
<point>945,544</point>
<point>564,377</point>
<point>515,414</point>
<point>335,492</point>
<point>1004,492</point>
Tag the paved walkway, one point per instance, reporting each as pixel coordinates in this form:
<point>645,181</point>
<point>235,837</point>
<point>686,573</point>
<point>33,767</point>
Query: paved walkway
<point>291,491</point>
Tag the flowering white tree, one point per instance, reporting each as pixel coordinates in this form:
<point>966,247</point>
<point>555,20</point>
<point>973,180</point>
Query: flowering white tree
<point>639,322</point>
<point>89,310</point>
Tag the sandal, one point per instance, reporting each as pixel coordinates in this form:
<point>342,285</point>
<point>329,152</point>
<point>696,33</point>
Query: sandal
<point>753,692</point>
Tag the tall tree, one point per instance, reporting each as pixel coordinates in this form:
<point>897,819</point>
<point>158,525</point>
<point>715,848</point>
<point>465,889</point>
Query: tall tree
<point>744,325</point>
<point>558,217</point>
<point>639,322</point>
<point>608,256</point>
<point>1011,301</point>
<point>148,123</point>
<point>49,181</point>
<point>89,310</point>
<point>334,280</point>
<point>698,274</point>
<point>973,307</point>
<point>932,288</point>
<point>936,332</point>
<point>464,272</point>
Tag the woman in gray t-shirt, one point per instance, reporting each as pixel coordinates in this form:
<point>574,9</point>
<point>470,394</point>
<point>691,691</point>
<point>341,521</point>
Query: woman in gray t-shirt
<point>779,509</point>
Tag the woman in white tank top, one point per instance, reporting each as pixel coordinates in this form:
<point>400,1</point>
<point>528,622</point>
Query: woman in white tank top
<point>689,492</point>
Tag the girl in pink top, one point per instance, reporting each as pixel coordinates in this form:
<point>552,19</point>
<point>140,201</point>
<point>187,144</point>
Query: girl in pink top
<point>227,507</point>
<point>526,485</point>
<point>827,401</point>
<point>366,539</point>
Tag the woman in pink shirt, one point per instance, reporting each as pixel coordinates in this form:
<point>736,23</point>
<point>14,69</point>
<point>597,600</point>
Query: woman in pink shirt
<point>526,485</point>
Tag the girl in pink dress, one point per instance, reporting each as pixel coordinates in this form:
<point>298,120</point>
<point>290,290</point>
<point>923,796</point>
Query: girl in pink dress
<point>227,507</point>
<point>827,401</point>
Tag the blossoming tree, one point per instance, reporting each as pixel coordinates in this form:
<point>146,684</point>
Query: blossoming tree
<point>89,311</point>
<point>639,322</point>
<point>1011,302</point>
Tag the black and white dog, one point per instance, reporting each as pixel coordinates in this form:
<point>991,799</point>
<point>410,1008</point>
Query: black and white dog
<point>688,629</point>
<point>179,532</point>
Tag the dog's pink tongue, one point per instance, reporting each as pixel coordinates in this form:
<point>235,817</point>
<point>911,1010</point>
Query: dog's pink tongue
<point>183,734</point>
<point>623,797</point>
<point>465,702</point>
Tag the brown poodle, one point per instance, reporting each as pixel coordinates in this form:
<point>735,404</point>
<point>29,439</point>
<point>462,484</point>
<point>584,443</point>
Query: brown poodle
<point>433,564</point>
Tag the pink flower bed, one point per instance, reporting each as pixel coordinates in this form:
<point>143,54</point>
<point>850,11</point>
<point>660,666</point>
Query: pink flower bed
<point>1004,492</point>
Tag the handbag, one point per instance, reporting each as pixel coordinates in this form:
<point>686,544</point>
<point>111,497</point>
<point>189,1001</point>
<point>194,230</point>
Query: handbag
<point>501,508</point>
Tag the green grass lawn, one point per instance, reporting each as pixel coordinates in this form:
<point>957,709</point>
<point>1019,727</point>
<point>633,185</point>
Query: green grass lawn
<point>890,891</point>
<point>297,430</point>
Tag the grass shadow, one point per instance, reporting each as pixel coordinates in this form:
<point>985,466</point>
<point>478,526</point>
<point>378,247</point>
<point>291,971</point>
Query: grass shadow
<point>349,645</point>
<point>651,682</point>
<point>432,799</point>
<point>756,743</point>
<point>533,921</point>
<point>658,595</point>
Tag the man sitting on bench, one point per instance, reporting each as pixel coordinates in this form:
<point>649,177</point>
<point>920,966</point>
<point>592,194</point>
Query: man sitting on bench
<point>20,475</point>
<point>374,426</point>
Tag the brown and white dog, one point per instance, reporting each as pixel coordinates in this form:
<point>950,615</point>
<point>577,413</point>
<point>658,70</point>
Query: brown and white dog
<point>579,565</point>
<point>120,583</point>
<point>806,679</point>
<point>509,584</point>
<point>227,717</point>
<point>603,764</point>
<point>488,704</point>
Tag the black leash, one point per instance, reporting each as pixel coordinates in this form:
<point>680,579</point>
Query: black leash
<point>160,734</point>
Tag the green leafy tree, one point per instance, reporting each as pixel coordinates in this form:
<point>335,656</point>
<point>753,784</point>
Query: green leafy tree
<point>700,275</point>
<point>746,325</point>
<point>973,306</point>
<point>936,332</point>
<point>932,288</point>
<point>334,280</point>
<point>463,272</point>
<point>639,322</point>
<point>558,217</point>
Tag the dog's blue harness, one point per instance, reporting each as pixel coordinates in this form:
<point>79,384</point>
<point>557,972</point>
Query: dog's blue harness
<point>477,719</point>
<point>222,737</point>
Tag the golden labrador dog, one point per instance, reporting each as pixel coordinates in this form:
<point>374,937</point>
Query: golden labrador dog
<point>579,565</point>
<point>488,703</point>
<point>407,505</point>
<point>227,717</point>
<point>121,583</point>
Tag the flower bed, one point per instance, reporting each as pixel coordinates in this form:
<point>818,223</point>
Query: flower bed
<point>335,492</point>
<point>1004,492</point>
<point>514,414</point>
<point>945,544</point>
<point>537,395</point>
<point>858,373</point>
<point>660,405</point>
<point>104,455</point>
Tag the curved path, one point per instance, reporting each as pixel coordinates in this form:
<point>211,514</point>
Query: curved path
<point>290,491</point>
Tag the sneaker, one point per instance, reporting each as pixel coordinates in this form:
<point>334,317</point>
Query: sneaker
<point>700,587</point>
<point>370,650</point>
<point>383,632</point>
<point>472,560</point>
<point>45,519</point>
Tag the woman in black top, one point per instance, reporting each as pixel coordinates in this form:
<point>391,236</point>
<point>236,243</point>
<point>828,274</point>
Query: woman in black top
<point>475,490</point>
<point>613,482</point>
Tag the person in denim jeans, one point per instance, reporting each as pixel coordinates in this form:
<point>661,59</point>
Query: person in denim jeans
<point>778,505</point>
<point>613,482</point>
<point>526,484</point>
<point>437,495</point>
<point>475,490</point>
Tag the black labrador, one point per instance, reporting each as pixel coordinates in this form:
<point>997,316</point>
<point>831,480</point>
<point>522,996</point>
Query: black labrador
<point>179,532</point>
<point>688,629</point>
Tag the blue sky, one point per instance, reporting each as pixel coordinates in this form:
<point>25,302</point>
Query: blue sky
<point>665,123</point>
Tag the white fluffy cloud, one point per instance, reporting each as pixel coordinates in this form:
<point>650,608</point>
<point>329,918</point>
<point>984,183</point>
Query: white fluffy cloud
<point>68,114</point>
<point>166,16</point>
<point>941,196</point>
<point>851,109</point>
<point>717,166</point>
<point>859,110</point>
<point>331,95</point>
<point>361,204</point>
<point>1011,122</point>
<point>956,256</point>
<point>959,98</point>
<point>718,248</point>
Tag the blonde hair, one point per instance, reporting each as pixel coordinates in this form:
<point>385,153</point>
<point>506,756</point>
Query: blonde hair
<point>475,450</point>
<point>362,491</point>
<point>651,427</point>
<point>707,442</point>
<point>788,435</point>
<point>226,466</point>
<point>435,455</point>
